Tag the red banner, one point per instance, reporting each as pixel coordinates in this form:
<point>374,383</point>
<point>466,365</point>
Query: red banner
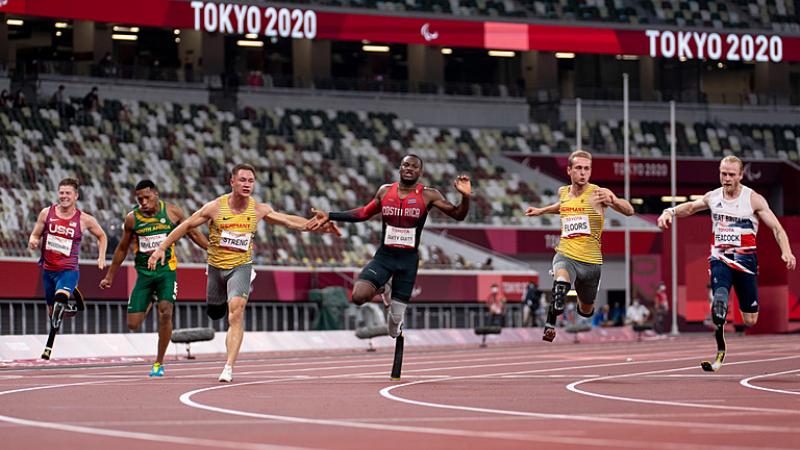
<point>278,21</point>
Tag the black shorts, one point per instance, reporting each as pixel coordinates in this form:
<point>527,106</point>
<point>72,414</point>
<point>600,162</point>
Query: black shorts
<point>399,265</point>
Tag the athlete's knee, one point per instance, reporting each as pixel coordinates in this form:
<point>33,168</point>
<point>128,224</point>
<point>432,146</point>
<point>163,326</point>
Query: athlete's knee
<point>585,309</point>
<point>61,296</point>
<point>560,290</point>
<point>164,311</point>
<point>362,293</point>
<point>749,320</point>
<point>236,310</point>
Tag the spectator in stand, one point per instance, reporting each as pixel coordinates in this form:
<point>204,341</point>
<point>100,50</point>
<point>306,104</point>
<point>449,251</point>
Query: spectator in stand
<point>487,265</point>
<point>603,317</point>
<point>496,303</point>
<point>662,308</point>
<point>530,304</point>
<point>637,314</point>
<point>5,99</point>
<point>19,100</point>
<point>91,102</point>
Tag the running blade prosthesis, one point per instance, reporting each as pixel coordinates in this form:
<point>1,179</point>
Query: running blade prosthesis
<point>709,366</point>
<point>397,366</point>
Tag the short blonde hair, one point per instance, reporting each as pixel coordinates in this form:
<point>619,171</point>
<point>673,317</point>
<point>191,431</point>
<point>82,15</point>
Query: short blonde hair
<point>578,154</point>
<point>733,160</point>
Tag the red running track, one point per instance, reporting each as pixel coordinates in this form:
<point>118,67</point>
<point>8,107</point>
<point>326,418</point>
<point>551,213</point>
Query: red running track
<point>621,395</point>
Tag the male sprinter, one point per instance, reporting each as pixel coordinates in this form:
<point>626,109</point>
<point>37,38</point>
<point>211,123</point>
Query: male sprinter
<point>232,220</point>
<point>735,210</point>
<point>578,258</point>
<point>61,227</point>
<point>404,208</point>
<point>147,225</point>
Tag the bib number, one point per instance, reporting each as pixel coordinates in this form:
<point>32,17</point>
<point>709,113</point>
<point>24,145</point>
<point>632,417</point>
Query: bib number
<point>574,226</point>
<point>149,244</point>
<point>234,241</point>
<point>400,237</point>
<point>727,237</point>
<point>58,244</point>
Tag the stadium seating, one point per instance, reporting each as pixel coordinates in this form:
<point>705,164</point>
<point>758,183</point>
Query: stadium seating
<point>773,15</point>
<point>332,160</point>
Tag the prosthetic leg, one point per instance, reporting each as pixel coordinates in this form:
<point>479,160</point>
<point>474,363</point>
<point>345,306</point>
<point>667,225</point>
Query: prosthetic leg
<point>61,309</point>
<point>556,308</point>
<point>394,319</point>
<point>719,313</point>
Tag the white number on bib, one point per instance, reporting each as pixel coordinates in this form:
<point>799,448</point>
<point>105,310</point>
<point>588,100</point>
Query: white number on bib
<point>727,237</point>
<point>231,240</point>
<point>400,237</point>
<point>148,244</point>
<point>58,244</point>
<point>574,226</point>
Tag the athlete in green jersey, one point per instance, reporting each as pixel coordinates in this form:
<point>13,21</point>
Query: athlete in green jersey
<point>147,225</point>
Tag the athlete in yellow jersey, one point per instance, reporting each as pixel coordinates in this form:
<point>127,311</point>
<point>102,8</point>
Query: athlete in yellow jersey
<point>578,258</point>
<point>232,220</point>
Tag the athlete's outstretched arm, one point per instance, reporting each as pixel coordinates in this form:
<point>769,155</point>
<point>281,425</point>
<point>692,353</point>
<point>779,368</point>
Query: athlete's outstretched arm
<point>555,208</point>
<point>294,222</point>
<point>761,208</point>
<point>36,234</point>
<point>120,252</point>
<point>201,216</point>
<point>102,240</point>
<point>464,186</point>
<point>354,215</point>
<point>194,234</point>
<point>682,210</point>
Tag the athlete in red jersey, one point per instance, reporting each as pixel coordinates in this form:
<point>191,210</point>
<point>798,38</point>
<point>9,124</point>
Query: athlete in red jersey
<point>403,207</point>
<point>59,230</point>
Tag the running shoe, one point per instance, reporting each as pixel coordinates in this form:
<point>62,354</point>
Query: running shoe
<point>157,370</point>
<point>227,374</point>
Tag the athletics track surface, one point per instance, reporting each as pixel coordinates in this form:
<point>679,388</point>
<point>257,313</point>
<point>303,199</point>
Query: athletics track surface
<point>511,397</point>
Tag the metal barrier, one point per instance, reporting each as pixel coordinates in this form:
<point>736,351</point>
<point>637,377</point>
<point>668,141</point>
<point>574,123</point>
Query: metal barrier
<point>30,317</point>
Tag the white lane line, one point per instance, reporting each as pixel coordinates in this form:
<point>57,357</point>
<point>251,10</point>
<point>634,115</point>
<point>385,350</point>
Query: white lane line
<point>160,438</point>
<point>747,383</point>
<point>387,393</point>
<point>573,387</point>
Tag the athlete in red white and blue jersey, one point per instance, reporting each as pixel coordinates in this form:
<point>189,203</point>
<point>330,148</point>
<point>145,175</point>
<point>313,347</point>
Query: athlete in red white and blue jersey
<point>735,213</point>
<point>58,231</point>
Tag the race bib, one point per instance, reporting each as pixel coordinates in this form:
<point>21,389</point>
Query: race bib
<point>574,226</point>
<point>728,237</point>
<point>148,244</point>
<point>232,240</point>
<point>58,244</point>
<point>400,237</point>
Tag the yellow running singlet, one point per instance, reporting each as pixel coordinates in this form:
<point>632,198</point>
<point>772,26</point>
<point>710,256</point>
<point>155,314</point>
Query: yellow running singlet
<point>581,227</point>
<point>230,236</point>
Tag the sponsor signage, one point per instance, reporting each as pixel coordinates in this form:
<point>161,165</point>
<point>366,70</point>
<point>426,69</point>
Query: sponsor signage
<point>305,23</point>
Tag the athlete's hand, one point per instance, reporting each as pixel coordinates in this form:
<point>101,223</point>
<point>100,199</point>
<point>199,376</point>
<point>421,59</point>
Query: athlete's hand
<point>33,243</point>
<point>156,257</point>
<point>315,223</point>
<point>101,262</point>
<point>106,282</point>
<point>533,212</point>
<point>463,185</point>
<point>790,261</point>
<point>604,196</point>
<point>331,228</point>
<point>665,220</point>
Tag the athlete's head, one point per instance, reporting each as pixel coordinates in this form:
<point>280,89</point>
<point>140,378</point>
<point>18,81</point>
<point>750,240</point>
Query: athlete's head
<point>67,192</point>
<point>147,196</point>
<point>410,169</point>
<point>731,171</point>
<point>243,179</point>
<point>579,167</point>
